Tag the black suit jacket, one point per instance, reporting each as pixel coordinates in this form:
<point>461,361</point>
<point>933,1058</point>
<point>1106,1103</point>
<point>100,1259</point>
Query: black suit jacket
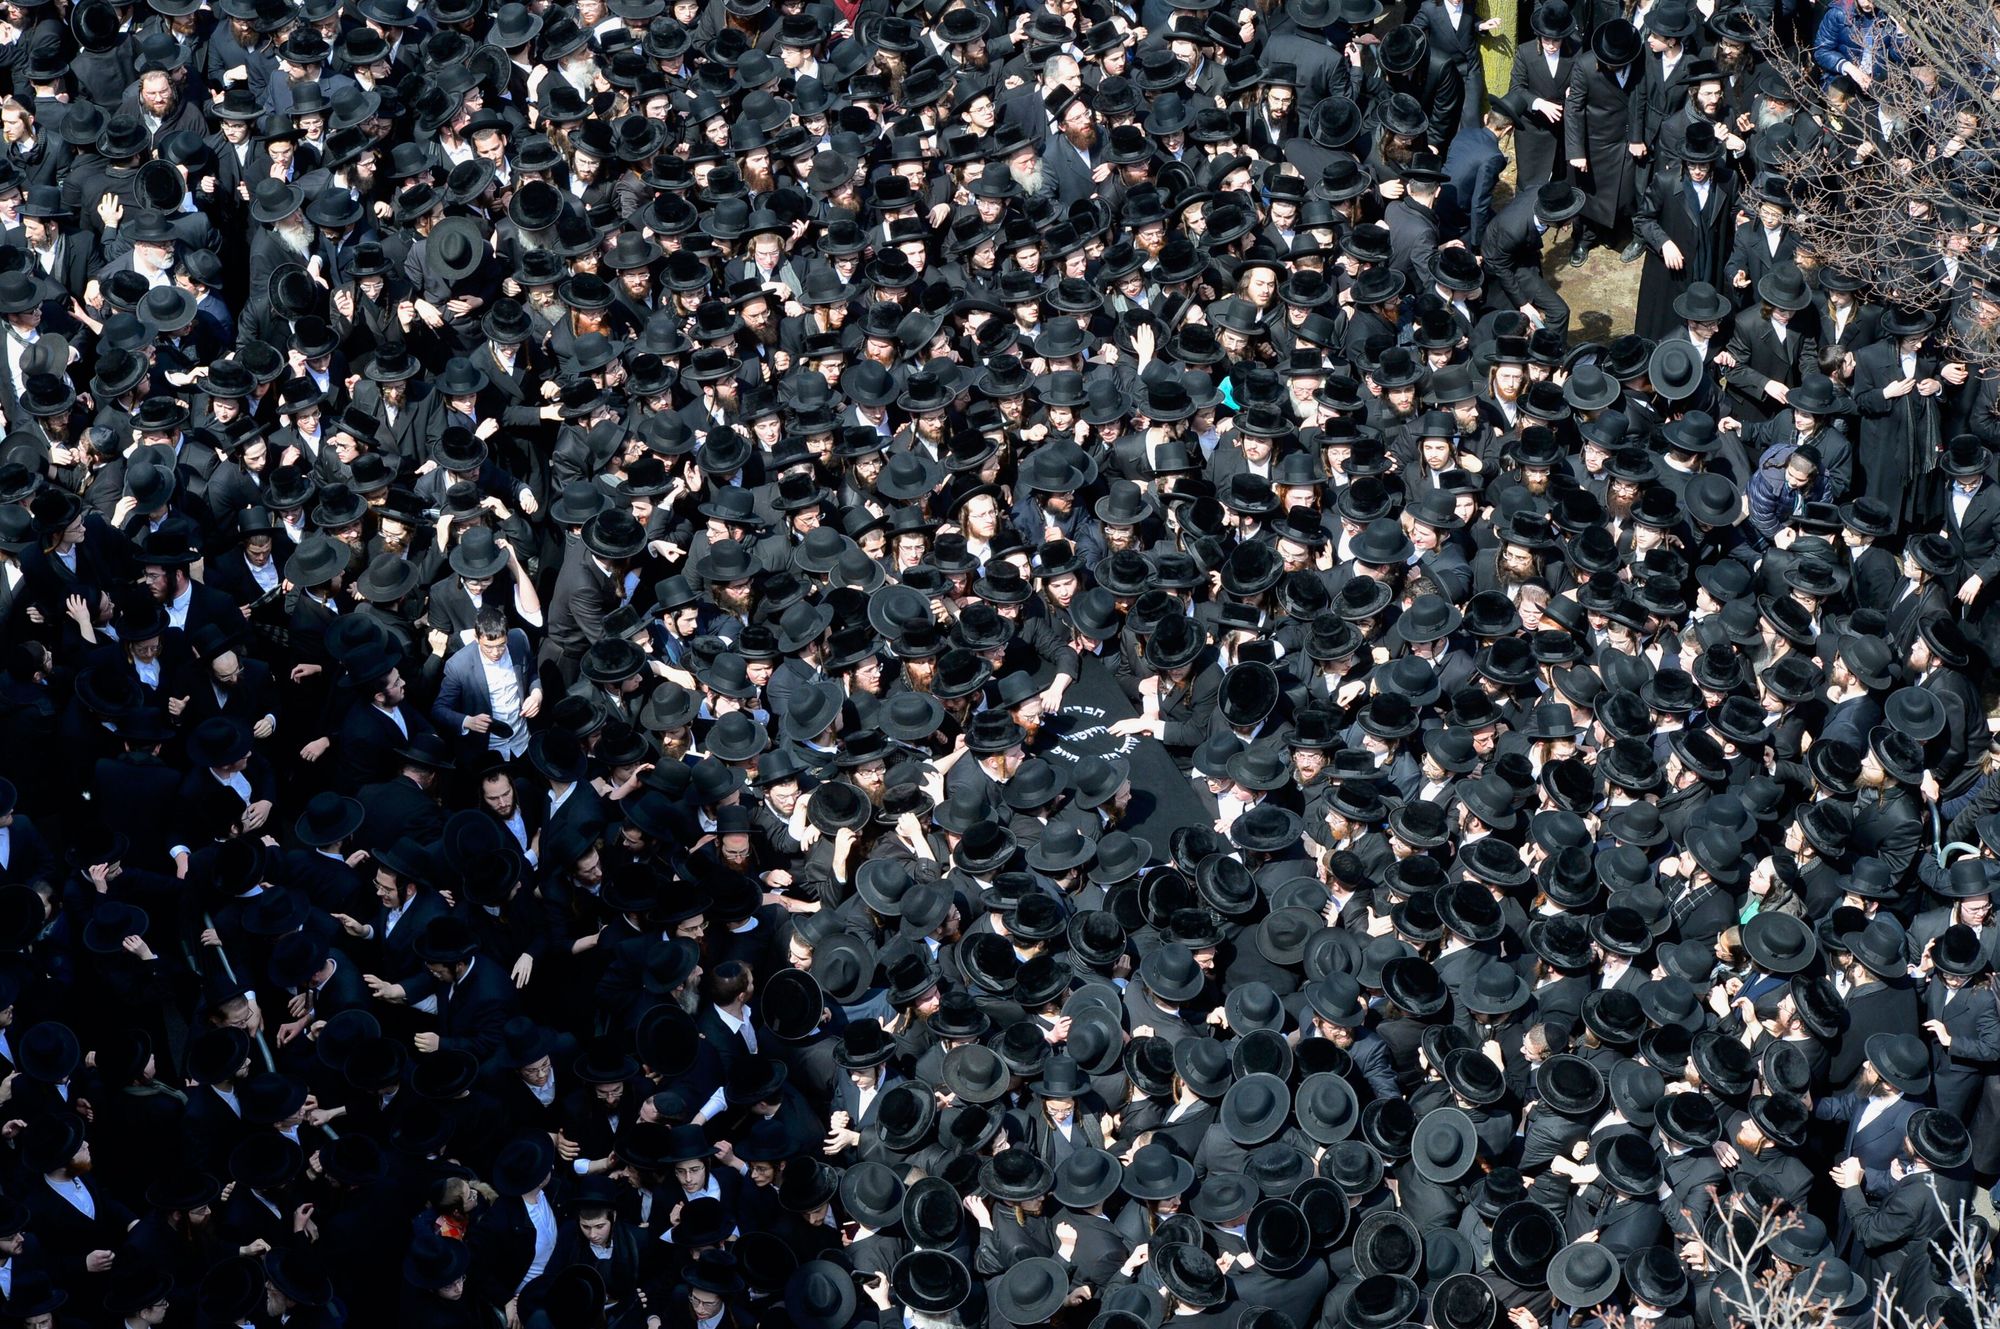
<point>1760,359</point>
<point>368,743</point>
<point>1512,248</point>
<point>471,1012</point>
<point>1886,1234</point>
<point>1877,1008</point>
<point>395,809</point>
<point>67,1233</point>
<point>583,595</point>
<point>1978,531</point>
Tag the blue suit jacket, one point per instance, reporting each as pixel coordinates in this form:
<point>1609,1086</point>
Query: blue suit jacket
<point>1876,1144</point>
<point>463,690</point>
<point>1473,163</point>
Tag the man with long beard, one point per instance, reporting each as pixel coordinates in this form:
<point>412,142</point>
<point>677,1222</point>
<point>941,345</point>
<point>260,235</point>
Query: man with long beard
<point>1073,159</point>
<point>756,157</point>
<point>1024,163</point>
<point>760,324</point>
<point>281,236</point>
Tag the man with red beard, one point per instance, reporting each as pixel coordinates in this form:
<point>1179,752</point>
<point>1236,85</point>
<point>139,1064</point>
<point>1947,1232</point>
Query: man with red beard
<point>1073,161</point>
<point>1504,383</point>
<point>747,138</point>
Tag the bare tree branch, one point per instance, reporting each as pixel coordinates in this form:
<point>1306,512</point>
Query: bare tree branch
<point>1894,183</point>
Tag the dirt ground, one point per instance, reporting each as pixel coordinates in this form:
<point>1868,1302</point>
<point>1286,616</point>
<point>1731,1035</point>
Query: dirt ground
<point>1603,294</point>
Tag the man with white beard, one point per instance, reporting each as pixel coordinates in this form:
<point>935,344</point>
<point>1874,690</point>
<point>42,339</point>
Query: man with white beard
<point>153,249</point>
<point>1024,162</point>
<point>282,235</point>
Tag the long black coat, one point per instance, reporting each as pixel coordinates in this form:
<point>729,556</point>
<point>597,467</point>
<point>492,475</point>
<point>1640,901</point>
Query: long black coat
<point>1884,1235</point>
<point>1667,212</point>
<point>1601,120</point>
<point>1538,142</point>
<point>1896,443</point>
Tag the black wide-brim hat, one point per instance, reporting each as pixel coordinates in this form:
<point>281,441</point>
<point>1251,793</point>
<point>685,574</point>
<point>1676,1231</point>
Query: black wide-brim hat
<point>1380,1301</point>
<point>1463,1301</point>
<point>931,1282</point>
<point>1629,1164</point>
<point>1445,1145</point>
<point>1570,1085</point>
<point>1901,1059</point>
<point>1780,943</point>
<point>1032,1290</point>
<point>1783,1117</point>
<point>1189,1274</point>
<point>1583,1274</point>
<point>1414,985</point>
<point>1526,1237</point>
<point>1940,1139</point>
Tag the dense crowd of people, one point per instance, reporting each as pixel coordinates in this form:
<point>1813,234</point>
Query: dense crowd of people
<point>781,665</point>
